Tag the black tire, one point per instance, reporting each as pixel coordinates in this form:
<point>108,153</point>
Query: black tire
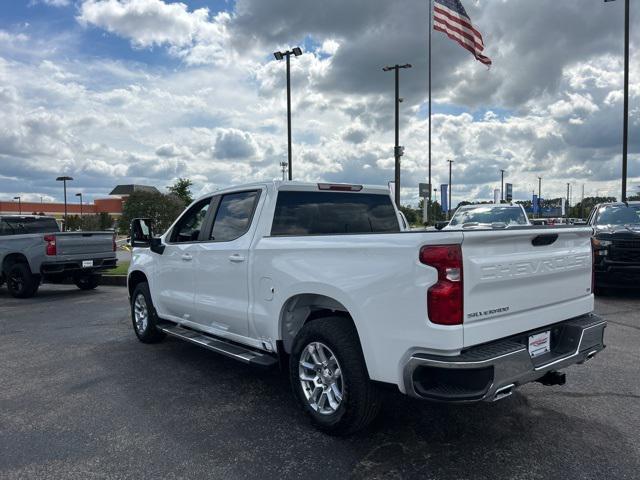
<point>149,333</point>
<point>21,282</point>
<point>87,281</point>
<point>360,402</point>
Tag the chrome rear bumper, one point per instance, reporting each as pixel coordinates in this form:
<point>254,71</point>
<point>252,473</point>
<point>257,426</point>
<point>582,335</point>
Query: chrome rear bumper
<point>491,371</point>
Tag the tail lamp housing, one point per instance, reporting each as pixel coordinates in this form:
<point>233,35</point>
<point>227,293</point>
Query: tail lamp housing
<point>445,297</point>
<point>50,248</point>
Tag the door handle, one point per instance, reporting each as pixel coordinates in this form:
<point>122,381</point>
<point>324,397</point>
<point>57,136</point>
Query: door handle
<point>236,258</point>
<point>187,257</point>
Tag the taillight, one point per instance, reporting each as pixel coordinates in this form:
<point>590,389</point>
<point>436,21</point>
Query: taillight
<point>444,299</point>
<point>51,244</point>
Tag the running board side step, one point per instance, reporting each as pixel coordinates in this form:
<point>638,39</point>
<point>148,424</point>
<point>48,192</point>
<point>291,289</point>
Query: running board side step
<point>232,350</point>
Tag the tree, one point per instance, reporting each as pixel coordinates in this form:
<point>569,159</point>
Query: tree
<point>161,208</point>
<point>90,223</point>
<point>182,189</point>
<point>410,214</point>
<point>578,211</point>
<point>105,221</point>
<point>73,223</point>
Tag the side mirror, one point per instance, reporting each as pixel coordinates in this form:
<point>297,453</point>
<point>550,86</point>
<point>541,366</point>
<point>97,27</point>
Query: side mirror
<point>157,246</point>
<point>441,225</point>
<point>141,233</point>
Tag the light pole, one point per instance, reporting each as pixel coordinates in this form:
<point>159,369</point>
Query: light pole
<point>19,205</point>
<point>625,108</point>
<point>568,201</point>
<point>283,166</point>
<point>297,51</point>
<point>449,207</point>
<point>501,185</point>
<point>398,151</point>
<point>539,193</point>
<point>64,180</point>
<point>79,194</point>
<point>433,204</point>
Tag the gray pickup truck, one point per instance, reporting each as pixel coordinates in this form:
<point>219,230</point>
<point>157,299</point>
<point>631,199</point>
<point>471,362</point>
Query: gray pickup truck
<point>32,249</point>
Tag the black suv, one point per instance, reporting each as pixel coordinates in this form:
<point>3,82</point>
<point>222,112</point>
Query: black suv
<point>616,244</point>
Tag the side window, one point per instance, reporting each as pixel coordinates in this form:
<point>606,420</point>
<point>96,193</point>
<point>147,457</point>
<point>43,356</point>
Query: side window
<point>15,226</point>
<point>5,228</point>
<point>234,215</point>
<point>188,227</point>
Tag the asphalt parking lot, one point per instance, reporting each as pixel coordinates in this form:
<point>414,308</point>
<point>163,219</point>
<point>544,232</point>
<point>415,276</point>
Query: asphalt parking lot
<point>82,398</point>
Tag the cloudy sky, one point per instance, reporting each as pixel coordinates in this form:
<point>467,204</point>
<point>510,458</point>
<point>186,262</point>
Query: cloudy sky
<point>145,91</point>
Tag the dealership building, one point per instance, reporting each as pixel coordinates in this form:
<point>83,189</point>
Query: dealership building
<point>112,205</point>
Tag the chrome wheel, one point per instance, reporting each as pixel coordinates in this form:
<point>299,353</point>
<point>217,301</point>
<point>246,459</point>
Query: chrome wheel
<point>321,378</point>
<point>140,313</point>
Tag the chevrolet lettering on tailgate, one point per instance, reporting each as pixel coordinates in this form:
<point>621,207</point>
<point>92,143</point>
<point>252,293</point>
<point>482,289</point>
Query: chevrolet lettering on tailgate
<point>535,267</point>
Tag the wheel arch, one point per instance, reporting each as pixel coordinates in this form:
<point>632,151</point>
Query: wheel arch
<point>134,279</point>
<point>305,307</point>
<point>11,259</point>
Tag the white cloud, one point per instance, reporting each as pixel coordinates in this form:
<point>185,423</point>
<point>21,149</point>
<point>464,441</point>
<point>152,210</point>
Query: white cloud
<point>12,38</point>
<point>234,144</point>
<point>52,3</point>
<point>575,103</point>
<point>329,46</point>
<point>195,36</point>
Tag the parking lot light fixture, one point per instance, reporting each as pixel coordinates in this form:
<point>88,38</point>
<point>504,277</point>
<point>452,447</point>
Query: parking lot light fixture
<point>296,52</point>
<point>449,207</point>
<point>398,150</point>
<point>64,180</point>
<point>625,102</point>
<point>19,204</point>
<point>539,194</point>
<point>79,194</point>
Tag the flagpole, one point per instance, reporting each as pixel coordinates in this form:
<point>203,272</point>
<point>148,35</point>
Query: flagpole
<point>430,37</point>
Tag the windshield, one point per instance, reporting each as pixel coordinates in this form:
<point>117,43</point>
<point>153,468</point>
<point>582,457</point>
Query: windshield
<point>618,215</point>
<point>490,214</point>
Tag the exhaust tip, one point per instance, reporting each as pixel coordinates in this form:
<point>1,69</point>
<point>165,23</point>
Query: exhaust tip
<point>503,392</point>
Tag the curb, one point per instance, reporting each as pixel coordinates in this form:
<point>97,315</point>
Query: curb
<point>114,280</point>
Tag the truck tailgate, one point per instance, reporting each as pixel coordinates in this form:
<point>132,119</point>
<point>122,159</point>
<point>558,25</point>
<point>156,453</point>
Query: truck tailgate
<point>522,279</point>
<point>83,243</point>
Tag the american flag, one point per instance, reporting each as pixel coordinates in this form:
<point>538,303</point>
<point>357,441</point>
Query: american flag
<point>450,17</point>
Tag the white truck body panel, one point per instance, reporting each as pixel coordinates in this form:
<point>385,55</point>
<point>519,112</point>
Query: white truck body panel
<point>376,277</point>
<point>511,286</point>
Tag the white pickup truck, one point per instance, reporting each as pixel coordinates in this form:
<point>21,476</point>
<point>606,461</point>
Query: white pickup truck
<point>320,279</point>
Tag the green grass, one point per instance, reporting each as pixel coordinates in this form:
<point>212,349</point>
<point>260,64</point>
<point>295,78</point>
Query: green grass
<point>121,269</point>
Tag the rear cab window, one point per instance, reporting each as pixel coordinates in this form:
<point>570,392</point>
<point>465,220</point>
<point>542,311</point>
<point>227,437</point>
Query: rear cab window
<point>27,225</point>
<point>330,213</point>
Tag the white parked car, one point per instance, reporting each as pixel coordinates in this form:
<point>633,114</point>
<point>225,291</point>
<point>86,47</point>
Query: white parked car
<point>321,279</point>
<point>488,216</point>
